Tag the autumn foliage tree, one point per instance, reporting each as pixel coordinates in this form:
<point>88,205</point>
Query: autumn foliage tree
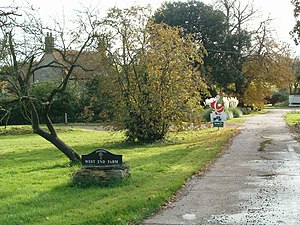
<point>173,74</point>
<point>271,68</point>
<point>156,71</point>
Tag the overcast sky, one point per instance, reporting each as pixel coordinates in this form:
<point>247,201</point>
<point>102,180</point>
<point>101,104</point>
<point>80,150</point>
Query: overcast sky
<point>281,11</point>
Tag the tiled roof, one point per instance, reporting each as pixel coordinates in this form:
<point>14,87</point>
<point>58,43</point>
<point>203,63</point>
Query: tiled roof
<point>86,66</point>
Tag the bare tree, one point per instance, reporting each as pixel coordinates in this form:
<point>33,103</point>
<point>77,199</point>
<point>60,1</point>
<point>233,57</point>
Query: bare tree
<point>23,46</point>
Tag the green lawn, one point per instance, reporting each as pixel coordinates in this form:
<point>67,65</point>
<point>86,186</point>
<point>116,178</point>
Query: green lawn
<point>292,118</point>
<point>35,177</point>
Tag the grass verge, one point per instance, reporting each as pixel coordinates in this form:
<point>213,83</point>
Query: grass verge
<point>292,118</point>
<point>35,177</point>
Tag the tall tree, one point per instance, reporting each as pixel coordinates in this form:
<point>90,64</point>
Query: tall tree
<point>222,31</point>
<point>271,67</point>
<point>296,30</point>
<point>155,67</point>
<point>238,39</point>
<point>208,27</point>
<point>261,62</point>
<point>294,87</point>
<point>24,47</point>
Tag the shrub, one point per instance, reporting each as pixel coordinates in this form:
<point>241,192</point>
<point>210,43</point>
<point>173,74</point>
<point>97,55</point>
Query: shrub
<point>236,112</point>
<point>278,97</point>
<point>206,114</point>
<point>229,114</point>
<point>66,102</point>
<point>246,110</point>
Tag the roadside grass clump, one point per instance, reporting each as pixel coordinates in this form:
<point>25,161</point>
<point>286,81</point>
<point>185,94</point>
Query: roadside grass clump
<point>292,118</point>
<point>15,130</point>
<point>36,178</point>
<point>263,144</point>
<point>238,121</point>
<point>26,129</point>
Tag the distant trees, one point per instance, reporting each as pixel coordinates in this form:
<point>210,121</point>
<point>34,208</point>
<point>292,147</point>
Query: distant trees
<point>272,68</point>
<point>222,34</point>
<point>100,95</point>
<point>233,49</point>
<point>294,87</point>
<point>296,31</point>
<point>208,27</point>
<point>65,102</point>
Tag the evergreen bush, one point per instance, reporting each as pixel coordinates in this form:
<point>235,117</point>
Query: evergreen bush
<point>206,114</point>
<point>236,112</point>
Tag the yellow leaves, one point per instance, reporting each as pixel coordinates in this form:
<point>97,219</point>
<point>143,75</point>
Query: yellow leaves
<point>231,87</point>
<point>271,69</point>
<point>158,73</point>
<point>255,94</point>
<point>3,85</point>
<point>169,60</point>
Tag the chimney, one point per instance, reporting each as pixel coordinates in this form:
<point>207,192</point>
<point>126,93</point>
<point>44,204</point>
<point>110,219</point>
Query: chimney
<point>49,43</point>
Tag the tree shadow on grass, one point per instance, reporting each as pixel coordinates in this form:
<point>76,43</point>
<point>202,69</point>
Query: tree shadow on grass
<point>52,158</point>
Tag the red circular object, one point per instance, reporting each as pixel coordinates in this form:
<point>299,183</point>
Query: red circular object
<point>217,106</point>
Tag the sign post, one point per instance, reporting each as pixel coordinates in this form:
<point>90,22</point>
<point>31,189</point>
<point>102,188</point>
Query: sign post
<point>101,167</point>
<point>218,116</point>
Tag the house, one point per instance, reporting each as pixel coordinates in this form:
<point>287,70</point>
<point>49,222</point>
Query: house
<point>54,64</point>
<point>50,68</point>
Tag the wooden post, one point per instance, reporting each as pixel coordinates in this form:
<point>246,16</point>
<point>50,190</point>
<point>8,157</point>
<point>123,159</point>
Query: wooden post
<point>66,118</point>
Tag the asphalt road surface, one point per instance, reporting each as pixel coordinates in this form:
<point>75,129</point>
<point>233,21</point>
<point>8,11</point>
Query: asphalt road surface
<point>256,181</point>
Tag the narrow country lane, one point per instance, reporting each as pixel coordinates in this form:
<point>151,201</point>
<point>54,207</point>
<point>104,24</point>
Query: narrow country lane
<point>257,181</point>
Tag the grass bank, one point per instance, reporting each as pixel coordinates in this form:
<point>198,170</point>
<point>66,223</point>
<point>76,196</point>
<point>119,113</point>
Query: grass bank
<point>35,177</point>
<point>292,118</point>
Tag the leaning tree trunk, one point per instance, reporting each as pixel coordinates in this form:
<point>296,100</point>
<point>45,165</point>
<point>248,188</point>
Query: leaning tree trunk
<point>58,143</point>
<point>51,136</point>
<point>21,86</point>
